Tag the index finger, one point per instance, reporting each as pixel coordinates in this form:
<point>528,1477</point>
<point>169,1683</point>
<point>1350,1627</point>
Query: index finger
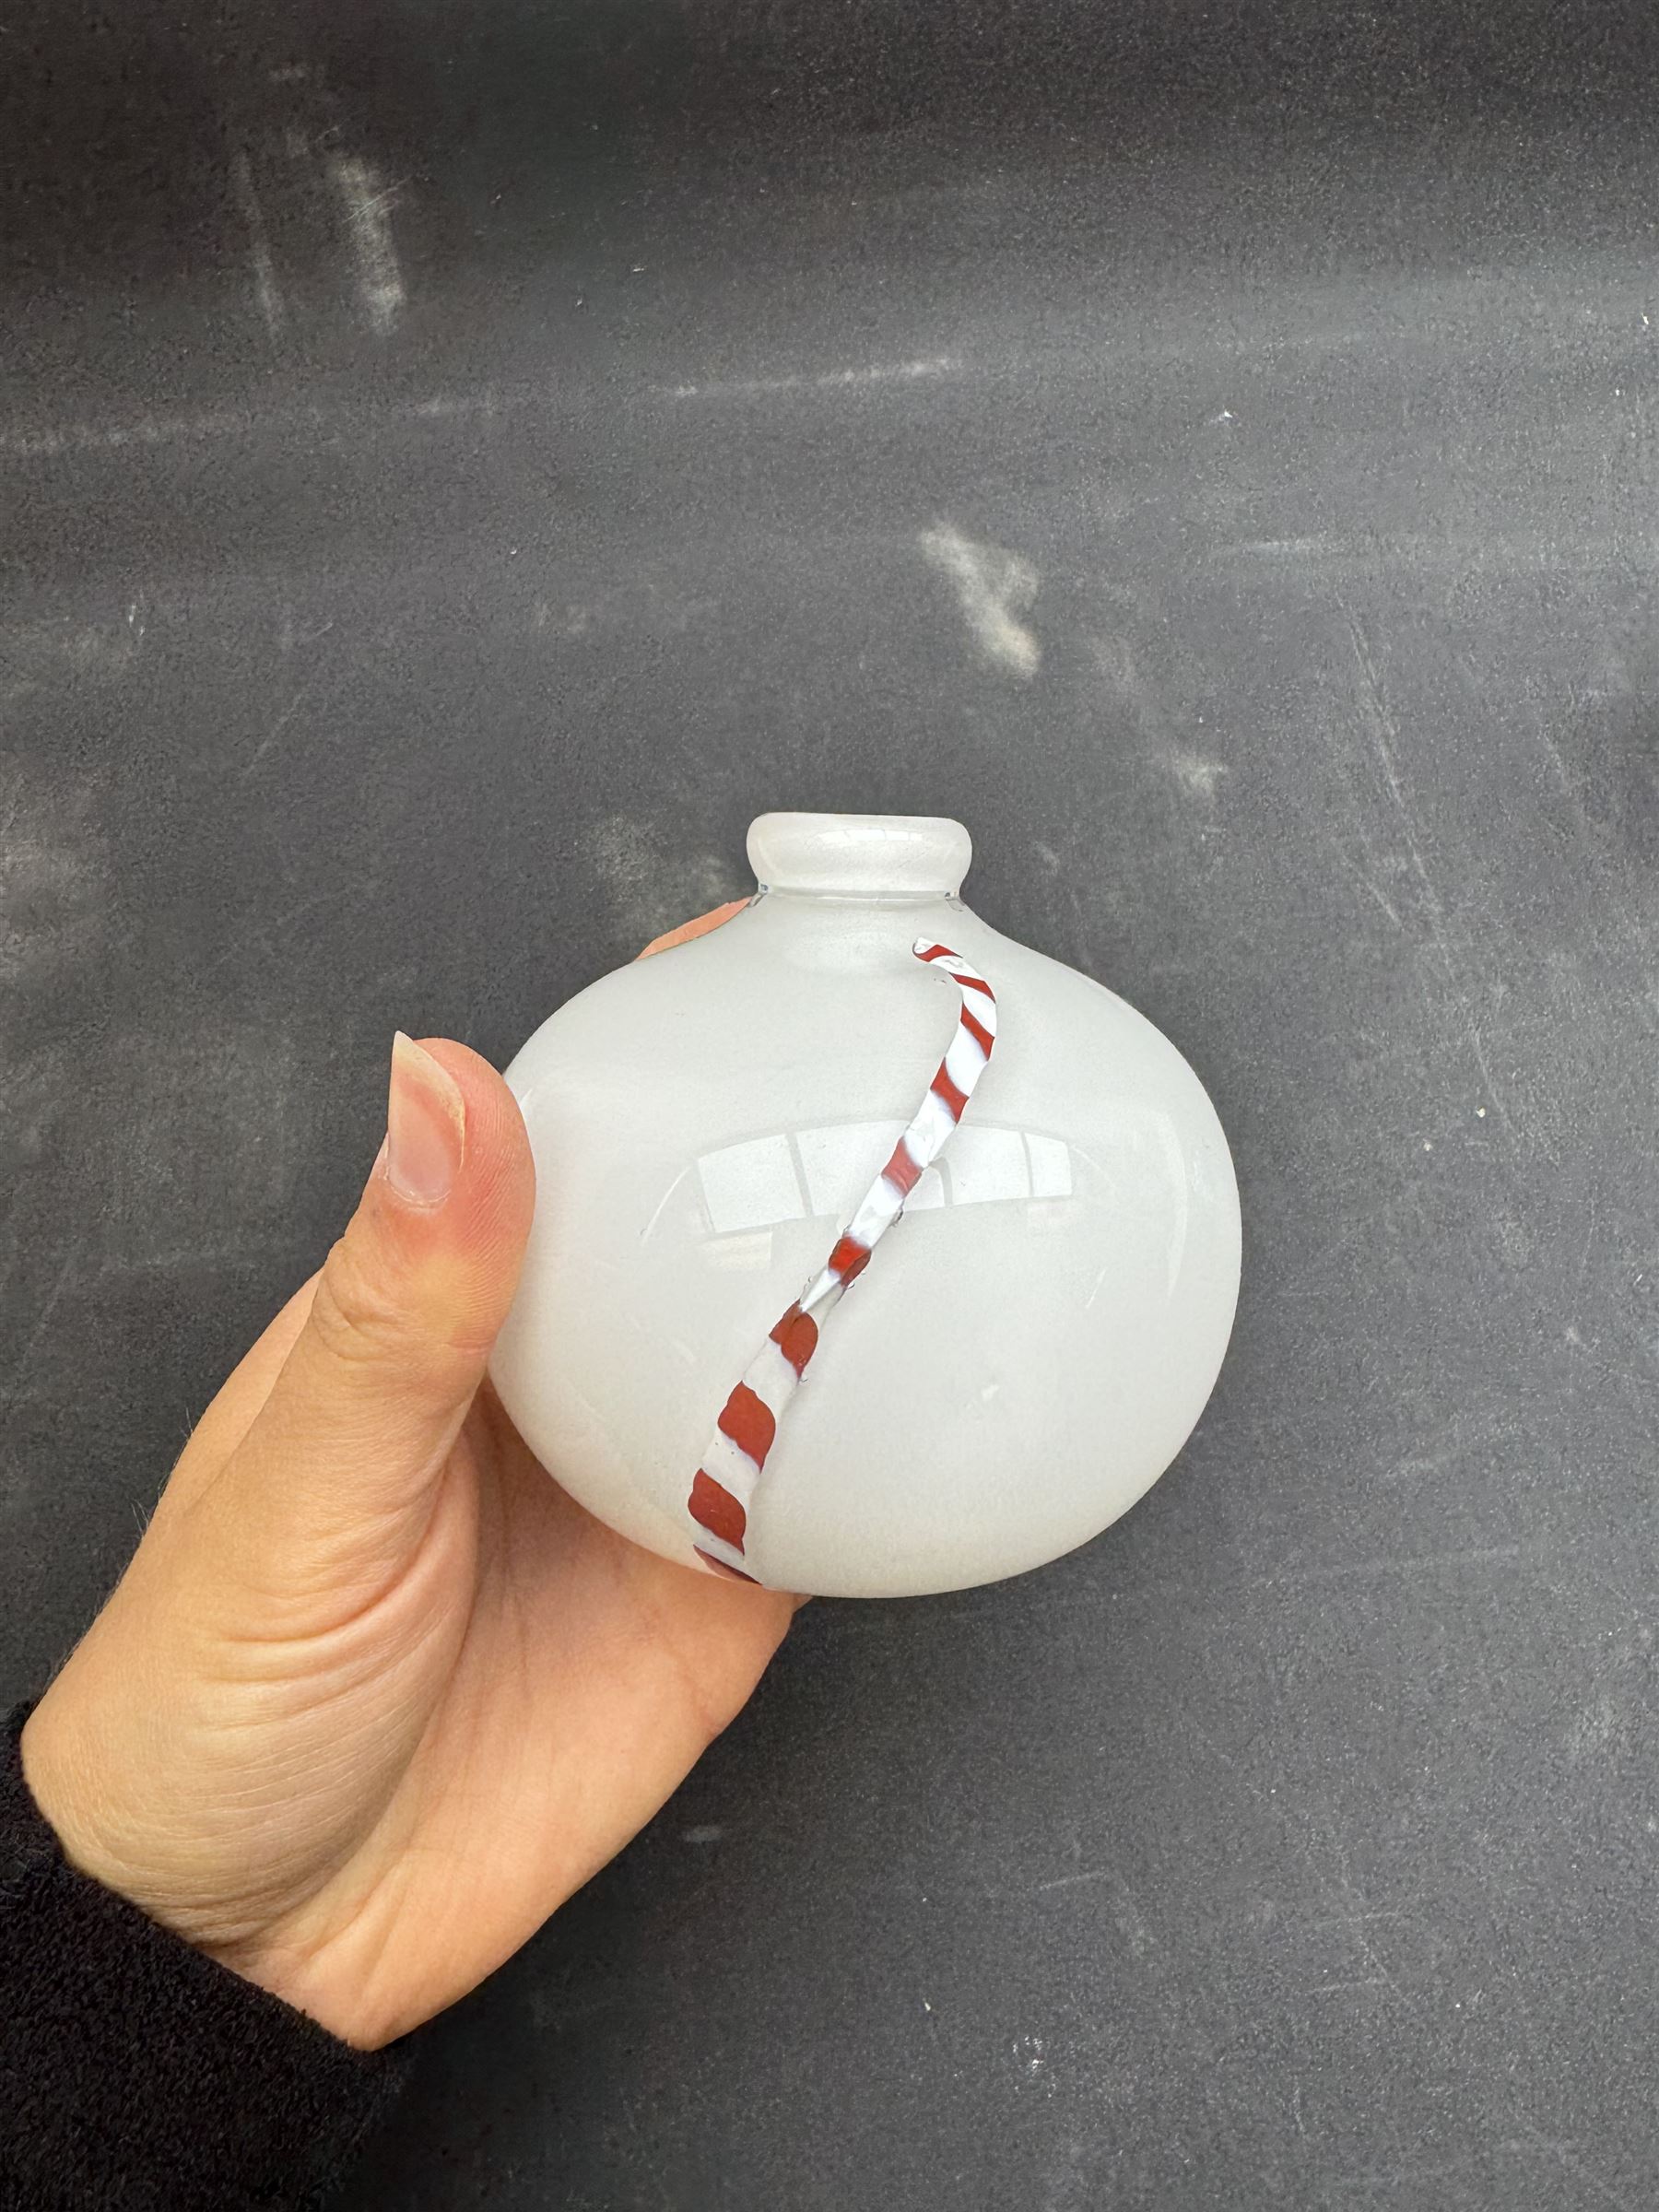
<point>700,928</point>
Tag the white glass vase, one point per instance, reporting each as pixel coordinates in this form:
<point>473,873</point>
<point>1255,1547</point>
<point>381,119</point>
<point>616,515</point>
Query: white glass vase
<point>1029,1342</point>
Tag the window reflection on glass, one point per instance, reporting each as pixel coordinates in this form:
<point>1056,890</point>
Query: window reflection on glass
<point>749,1252</point>
<point>986,1164</point>
<point>751,1185</point>
<point>820,1174</point>
<point>1050,1166</point>
<point>839,1165</point>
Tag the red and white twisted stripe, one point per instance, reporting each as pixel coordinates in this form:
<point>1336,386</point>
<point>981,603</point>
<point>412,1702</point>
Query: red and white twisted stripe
<point>723,1490</point>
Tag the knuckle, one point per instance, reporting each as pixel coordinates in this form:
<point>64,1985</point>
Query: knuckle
<point>354,1316</point>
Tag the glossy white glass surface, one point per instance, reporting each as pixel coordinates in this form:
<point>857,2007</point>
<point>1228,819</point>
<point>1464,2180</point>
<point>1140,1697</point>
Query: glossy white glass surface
<point>1029,1345</point>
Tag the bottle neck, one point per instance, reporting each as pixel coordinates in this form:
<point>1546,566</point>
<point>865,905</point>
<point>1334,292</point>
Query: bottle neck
<point>878,860</point>
<point>780,895</point>
<point>835,931</point>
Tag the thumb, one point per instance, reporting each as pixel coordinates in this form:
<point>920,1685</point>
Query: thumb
<point>340,1469</point>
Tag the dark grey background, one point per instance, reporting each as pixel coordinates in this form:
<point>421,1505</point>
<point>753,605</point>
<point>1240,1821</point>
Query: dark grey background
<point>457,463</point>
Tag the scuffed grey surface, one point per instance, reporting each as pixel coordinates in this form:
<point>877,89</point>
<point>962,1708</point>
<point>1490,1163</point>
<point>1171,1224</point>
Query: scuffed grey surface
<point>455,466</point>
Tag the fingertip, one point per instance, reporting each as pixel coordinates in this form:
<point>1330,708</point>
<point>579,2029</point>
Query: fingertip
<point>700,927</point>
<point>484,1222</point>
<point>498,1144</point>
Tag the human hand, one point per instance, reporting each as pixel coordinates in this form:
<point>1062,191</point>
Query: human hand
<point>374,1695</point>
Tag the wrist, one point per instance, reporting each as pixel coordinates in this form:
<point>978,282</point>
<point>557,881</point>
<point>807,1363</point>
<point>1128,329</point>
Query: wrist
<point>102,1836</point>
<point>59,1774</point>
<point>63,1777</point>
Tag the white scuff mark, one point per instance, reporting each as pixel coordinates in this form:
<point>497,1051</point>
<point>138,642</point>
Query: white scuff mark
<point>575,622</point>
<point>1594,1728</point>
<point>1289,548</point>
<point>267,295</point>
<point>445,404</point>
<point>650,878</point>
<point>1195,775</point>
<point>710,1832</point>
<point>1491,553</point>
<point>994,588</point>
<point>93,437</point>
<point>48,442</point>
<point>275,732</point>
<point>98,651</point>
<point>1131,1927</point>
<point>13,1387</point>
<point>824,380</point>
<point>367,202</point>
<point>1029,2055</point>
<point>54,890</point>
<point>1385,735</point>
<point>294,72</point>
<point>1226,414</point>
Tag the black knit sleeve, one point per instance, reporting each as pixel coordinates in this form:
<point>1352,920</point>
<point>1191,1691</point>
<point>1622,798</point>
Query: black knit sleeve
<point>139,2075</point>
